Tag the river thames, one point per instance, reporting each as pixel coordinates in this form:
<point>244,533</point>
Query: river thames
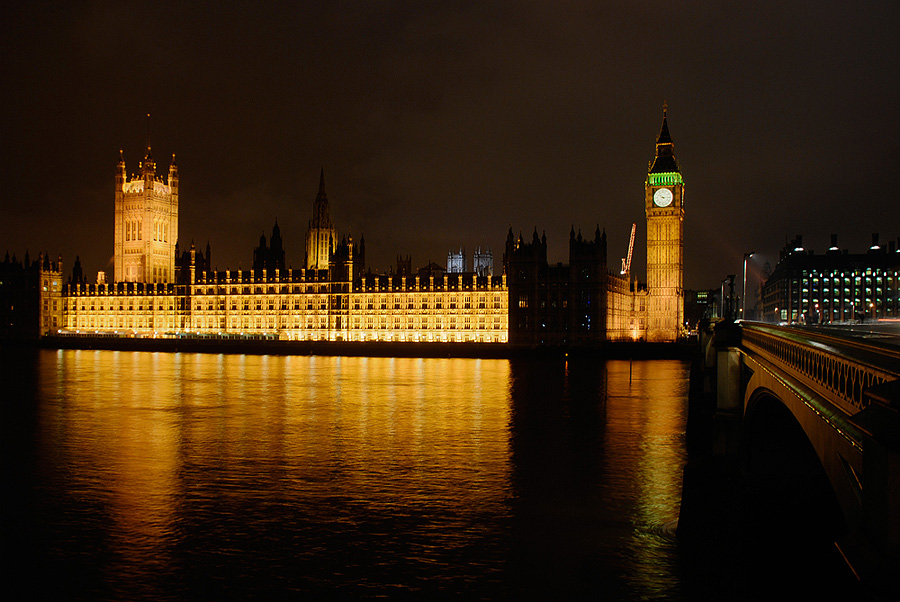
<point>174,476</point>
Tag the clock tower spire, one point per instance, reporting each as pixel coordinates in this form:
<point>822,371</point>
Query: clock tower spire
<point>664,210</point>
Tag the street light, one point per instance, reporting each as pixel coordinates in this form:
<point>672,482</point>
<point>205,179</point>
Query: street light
<point>722,299</point>
<point>744,292</point>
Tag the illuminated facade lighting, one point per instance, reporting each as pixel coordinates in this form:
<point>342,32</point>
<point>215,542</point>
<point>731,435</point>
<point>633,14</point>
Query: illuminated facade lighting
<point>158,295</point>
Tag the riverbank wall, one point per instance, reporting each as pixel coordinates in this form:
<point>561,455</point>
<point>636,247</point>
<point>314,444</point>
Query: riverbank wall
<point>610,350</point>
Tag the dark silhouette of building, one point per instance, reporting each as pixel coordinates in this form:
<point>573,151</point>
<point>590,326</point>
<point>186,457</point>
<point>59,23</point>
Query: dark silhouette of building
<point>269,257</point>
<point>192,263</point>
<point>561,304</point>
<point>30,297</point>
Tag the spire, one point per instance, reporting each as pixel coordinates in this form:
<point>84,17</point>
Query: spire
<point>664,137</point>
<point>322,182</point>
<point>665,161</point>
<point>149,157</point>
<point>120,170</point>
<point>148,166</point>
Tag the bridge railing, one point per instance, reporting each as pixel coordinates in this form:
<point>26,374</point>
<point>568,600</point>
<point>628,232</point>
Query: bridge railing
<point>839,368</point>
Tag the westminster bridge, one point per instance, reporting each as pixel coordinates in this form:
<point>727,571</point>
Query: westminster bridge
<point>810,417</point>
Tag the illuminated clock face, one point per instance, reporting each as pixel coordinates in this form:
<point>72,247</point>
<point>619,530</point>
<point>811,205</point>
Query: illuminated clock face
<point>662,197</point>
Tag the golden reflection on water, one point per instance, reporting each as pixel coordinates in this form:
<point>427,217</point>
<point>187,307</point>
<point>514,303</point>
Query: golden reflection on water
<point>509,467</point>
<point>648,438</point>
<point>145,431</point>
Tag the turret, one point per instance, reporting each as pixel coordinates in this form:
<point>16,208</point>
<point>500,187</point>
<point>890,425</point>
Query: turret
<point>193,264</point>
<point>148,170</point>
<point>120,172</point>
<point>173,175</point>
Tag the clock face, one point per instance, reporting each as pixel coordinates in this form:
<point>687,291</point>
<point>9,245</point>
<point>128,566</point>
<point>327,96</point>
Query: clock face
<point>662,197</point>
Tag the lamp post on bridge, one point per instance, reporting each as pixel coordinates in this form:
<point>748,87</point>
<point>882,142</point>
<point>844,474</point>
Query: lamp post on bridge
<point>722,299</point>
<point>744,291</point>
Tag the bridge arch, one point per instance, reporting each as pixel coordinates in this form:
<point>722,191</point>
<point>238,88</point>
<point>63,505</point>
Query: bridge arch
<point>791,495</point>
<point>813,417</point>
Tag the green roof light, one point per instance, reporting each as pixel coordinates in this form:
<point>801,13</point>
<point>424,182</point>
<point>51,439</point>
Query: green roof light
<point>664,179</point>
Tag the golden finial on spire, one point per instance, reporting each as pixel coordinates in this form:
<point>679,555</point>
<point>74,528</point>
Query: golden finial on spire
<point>665,108</point>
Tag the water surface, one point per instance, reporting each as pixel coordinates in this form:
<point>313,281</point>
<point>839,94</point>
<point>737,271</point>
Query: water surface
<point>192,476</point>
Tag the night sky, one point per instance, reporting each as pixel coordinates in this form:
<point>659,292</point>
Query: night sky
<point>444,124</point>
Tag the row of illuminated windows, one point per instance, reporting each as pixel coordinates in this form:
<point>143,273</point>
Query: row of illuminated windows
<point>326,287</point>
<point>262,290</point>
<point>837,293</point>
<point>122,322</point>
<point>877,272</point>
<point>120,304</point>
<point>270,322</point>
<point>73,305</point>
<point>358,323</point>
<point>317,303</point>
<point>878,281</point>
<point>846,296</point>
<point>321,304</point>
<point>428,304</point>
<point>382,302</point>
<point>846,306</point>
<point>379,299</point>
<point>837,286</point>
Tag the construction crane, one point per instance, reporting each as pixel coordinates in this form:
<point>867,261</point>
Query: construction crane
<point>626,262</point>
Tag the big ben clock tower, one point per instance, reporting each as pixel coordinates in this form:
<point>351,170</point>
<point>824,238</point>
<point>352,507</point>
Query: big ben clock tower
<point>664,207</point>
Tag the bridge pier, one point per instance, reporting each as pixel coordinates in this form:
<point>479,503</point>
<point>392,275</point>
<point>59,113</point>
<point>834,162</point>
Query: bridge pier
<point>729,390</point>
<point>711,484</point>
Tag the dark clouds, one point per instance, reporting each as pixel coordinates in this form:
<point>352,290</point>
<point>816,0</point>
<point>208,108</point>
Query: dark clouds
<point>444,124</point>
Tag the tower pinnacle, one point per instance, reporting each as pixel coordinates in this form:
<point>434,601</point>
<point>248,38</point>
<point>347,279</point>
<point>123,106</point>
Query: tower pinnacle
<point>320,236</point>
<point>665,161</point>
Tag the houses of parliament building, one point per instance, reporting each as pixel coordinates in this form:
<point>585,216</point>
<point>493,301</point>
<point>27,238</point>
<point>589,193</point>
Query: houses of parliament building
<point>163,291</point>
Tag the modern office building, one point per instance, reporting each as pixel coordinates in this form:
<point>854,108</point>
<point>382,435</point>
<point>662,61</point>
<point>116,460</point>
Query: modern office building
<point>835,286</point>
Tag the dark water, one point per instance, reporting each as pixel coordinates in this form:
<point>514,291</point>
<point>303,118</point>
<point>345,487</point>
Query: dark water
<point>139,476</point>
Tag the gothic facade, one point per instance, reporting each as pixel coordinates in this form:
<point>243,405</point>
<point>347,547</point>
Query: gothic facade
<point>583,303</point>
<point>146,223</point>
<point>664,209</point>
<point>321,240</point>
<point>336,298</point>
